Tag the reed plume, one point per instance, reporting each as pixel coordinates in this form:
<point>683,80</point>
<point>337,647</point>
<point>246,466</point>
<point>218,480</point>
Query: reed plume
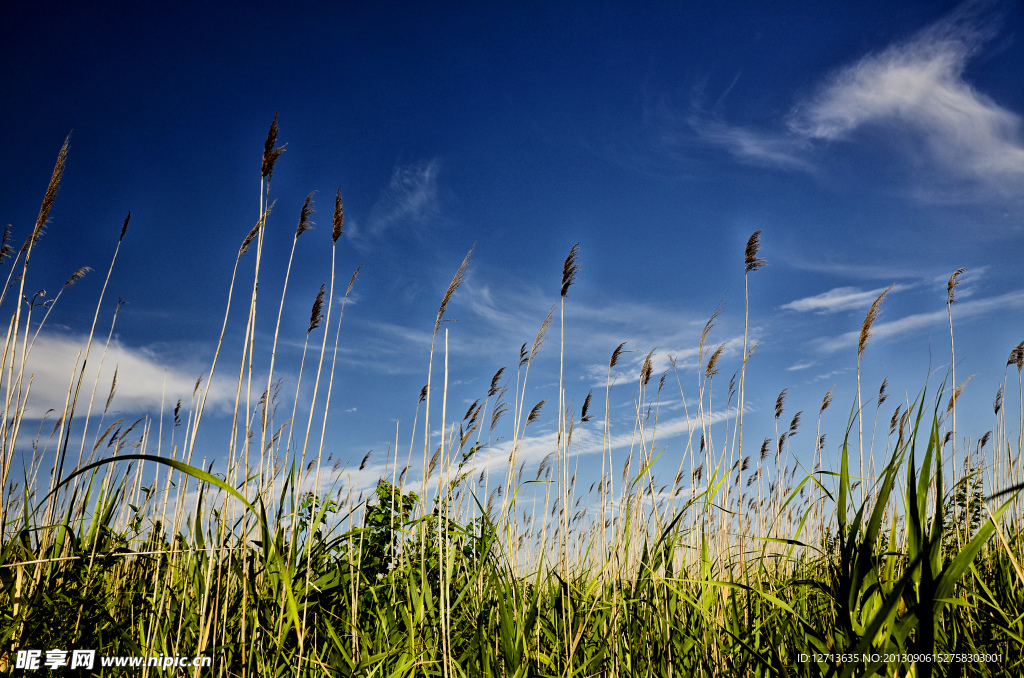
<point>51,194</point>
<point>76,276</point>
<point>780,402</point>
<point>1016,356</point>
<point>316,316</point>
<point>648,369</point>
<point>271,151</point>
<point>751,261</point>
<point>5,245</point>
<point>339,217</point>
<point>456,282</point>
<point>954,280</point>
<point>827,400</point>
<point>584,413</point>
<point>493,389</point>
<point>869,320</point>
<point>535,412</point>
<point>711,370</point>
<point>570,268</point>
<point>305,223</point>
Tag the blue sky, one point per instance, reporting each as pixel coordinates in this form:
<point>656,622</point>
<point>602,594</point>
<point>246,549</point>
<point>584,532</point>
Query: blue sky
<point>872,143</point>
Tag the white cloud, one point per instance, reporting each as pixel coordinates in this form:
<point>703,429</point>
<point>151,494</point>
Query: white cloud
<point>837,299</point>
<point>919,85</point>
<point>55,359</point>
<point>915,88</point>
<point>918,321</point>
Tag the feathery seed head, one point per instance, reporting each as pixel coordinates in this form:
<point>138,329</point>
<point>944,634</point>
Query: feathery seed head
<point>124,227</point>
<point>433,462</point>
<point>271,150</point>
<point>352,281</point>
<point>751,260</point>
<point>750,351</point>
<point>339,217</point>
<point>764,447</point>
<point>499,411</point>
<point>895,419</point>
<point>711,369</point>
<point>570,269</point>
<point>882,395</point>
<point>255,230</point>
<point>307,211</point>
<point>5,247</point>
<point>780,402</point>
<point>535,412</point>
<point>76,276</point>
<point>956,394</point>
<point>615,356</point>
<point>542,334</point>
<point>315,315</point>
<point>471,408</point>
<point>708,326</point>
<point>1016,356</point>
<point>460,275</point>
<point>423,394</point>
<point>869,320</point>
<point>795,423</point>
<point>51,194</point>
<point>494,382</point>
<point>647,369</point>
<point>586,408</point>
<point>826,401</point>
<point>954,280</point>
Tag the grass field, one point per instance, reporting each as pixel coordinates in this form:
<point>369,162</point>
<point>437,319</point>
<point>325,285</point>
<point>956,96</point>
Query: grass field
<point>742,563</point>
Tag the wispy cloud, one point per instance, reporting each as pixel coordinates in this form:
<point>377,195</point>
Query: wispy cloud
<point>532,449</point>
<point>919,85</point>
<point>780,150</point>
<point>885,271</point>
<point>594,330</point>
<point>410,199</point>
<point>801,366</point>
<point>919,321</point>
<point>838,299</point>
<point>915,88</point>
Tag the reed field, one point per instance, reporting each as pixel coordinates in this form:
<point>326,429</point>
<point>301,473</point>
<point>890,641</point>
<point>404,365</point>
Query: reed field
<point>742,558</point>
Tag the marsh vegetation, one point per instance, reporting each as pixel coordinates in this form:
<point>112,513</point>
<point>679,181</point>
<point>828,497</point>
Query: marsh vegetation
<point>742,560</point>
